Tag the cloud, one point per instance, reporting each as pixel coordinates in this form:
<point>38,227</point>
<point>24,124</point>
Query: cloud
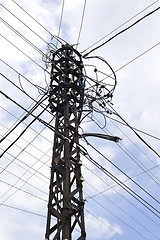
<point>101,228</point>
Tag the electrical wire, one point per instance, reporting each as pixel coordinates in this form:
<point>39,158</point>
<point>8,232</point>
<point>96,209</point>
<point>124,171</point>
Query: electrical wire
<point>29,167</point>
<point>19,120</point>
<point>123,173</point>
<point>52,36</point>
<point>30,143</point>
<point>22,37</point>
<point>60,22</point>
<point>130,140</point>
<point>23,23</point>
<point>135,220</point>
<point>23,210</point>
<point>19,74</point>
<point>140,55</point>
<point>108,226</point>
<point>22,119</point>
<point>33,18</point>
<point>23,131</point>
<point>115,112</point>
<point>132,157</point>
<point>29,184</point>
<point>113,214</point>
<point>124,186</point>
<point>120,26</point>
<point>124,30</point>
<point>22,190</point>
<point>136,129</point>
<point>132,60</point>
<point>113,188</point>
<point>29,153</point>
<point>20,178</point>
<point>134,143</point>
<point>39,119</point>
<point>30,128</point>
<point>24,54</point>
<point>82,19</point>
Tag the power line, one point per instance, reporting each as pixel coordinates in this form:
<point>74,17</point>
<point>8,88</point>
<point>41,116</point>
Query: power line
<point>17,122</point>
<point>52,36</point>
<point>23,131</point>
<point>125,187</point>
<point>134,143</point>
<point>135,220</point>
<point>30,143</point>
<point>135,132</point>
<point>31,185</point>
<point>123,173</point>
<point>113,188</point>
<point>136,129</point>
<point>33,18</point>
<point>125,223</point>
<point>139,20</point>
<point>60,22</point>
<point>19,74</point>
<point>117,167</point>
<point>82,19</point>
<point>24,53</point>
<point>20,189</point>
<point>131,156</point>
<point>140,55</point>
<point>22,210</point>
<point>16,158</point>
<point>23,37</point>
<point>18,104</point>
<point>20,178</point>
<point>39,119</point>
<point>23,23</point>
<point>108,226</point>
<point>23,118</point>
<point>29,127</point>
<point>120,26</point>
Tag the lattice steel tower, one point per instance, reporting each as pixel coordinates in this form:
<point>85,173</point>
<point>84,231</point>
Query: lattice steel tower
<point>66,203</point>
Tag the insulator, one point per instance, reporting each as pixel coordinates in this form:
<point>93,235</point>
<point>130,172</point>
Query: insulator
<point>57,159</point>
<point>68,93</point>
<point>51,105</point>
<point>80,163</point>
<point>71,81</point>
<point>52,97</point>
<point>61,82</point>
<point>81,178</point>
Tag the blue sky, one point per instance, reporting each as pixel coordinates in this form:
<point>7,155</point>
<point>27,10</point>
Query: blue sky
<point>110,212</point>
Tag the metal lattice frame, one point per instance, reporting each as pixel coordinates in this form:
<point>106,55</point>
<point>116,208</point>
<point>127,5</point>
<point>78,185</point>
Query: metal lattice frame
<point>66,204</point>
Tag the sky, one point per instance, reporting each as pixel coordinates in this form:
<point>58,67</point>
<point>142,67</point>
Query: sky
<point>111,213</point>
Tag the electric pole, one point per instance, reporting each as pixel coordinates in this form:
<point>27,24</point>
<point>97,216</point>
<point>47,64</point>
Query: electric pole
<point>66,204</point>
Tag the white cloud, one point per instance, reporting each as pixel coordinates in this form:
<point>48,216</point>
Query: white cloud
<point>101,228</point>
